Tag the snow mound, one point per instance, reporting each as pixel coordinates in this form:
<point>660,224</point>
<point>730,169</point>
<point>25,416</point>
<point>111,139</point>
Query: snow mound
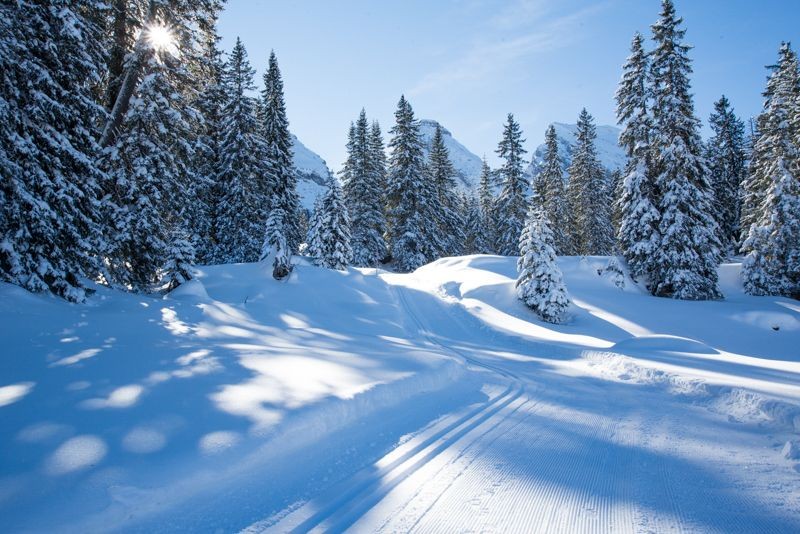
<point>649,344</point>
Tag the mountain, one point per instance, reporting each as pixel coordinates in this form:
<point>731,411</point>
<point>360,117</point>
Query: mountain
<point>312,173</point>
<point>609,152</point>
<point>467,164</point>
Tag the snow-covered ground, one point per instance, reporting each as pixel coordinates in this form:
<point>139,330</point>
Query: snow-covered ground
<point>374,401</point>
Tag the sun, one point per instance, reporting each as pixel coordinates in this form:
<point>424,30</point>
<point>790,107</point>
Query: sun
<point>161,39</point>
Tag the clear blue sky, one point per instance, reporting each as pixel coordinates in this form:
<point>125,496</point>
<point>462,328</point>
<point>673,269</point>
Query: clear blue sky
<point>467,63</point>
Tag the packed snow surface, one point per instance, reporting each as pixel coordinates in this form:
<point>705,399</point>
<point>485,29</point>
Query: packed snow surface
<point>370,401</point>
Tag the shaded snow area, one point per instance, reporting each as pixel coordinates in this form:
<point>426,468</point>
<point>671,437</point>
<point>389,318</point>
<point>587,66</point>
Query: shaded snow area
<point>373,401</point>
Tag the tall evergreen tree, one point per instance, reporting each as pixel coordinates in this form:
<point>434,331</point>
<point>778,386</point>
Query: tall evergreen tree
<point>50,61</point>
<point>588,193</point>
<point>687,257</point>
<point>540,283</point>
<point>279,152</point>
<point>772,265</point>
<point>725,153</point>
<point>242,179</point>
<point>410,197</point>
<point>446,206</point>
<point>550,190</point>
<point>363,176</point>
<point>331,232</point>
<point>638,233</point>
<point>512,204</point>
<point>487,205</point>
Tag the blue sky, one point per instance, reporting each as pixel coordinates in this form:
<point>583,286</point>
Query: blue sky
<point>467,63</point>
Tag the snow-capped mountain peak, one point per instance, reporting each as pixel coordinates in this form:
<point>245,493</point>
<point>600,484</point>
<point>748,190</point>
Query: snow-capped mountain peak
<point>609,152</point>
<point>466,163</point>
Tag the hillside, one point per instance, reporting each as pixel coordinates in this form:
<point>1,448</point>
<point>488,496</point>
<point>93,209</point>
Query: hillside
<point>358,399</point>
<point>609,152</point>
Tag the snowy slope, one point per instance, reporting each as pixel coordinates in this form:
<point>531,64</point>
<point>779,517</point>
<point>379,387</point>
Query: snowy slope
<point>609,152</point>
<point>467,165</point>
<point>374,401</point>
<point>312,173</point>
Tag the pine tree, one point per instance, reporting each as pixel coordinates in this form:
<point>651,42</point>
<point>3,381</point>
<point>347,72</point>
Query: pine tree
<point>540,283</point>
<point>363,176</point>
<point>550,190</point>
<point>486,243</point>
<point>588,194</point>
<point>331,231</point>
<point>638,233</point>
<point>275,249</point>
<point>242,179</point>
<point>279,152</point>
<point>772,265</point>
<point>50,61</point>
<point>725,153</point>
<point>512,204</point>
<point>410,196</point>
<point>685,266</point>
<point>446,209</point>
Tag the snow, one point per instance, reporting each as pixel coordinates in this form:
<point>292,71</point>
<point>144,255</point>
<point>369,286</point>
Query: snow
<point>467,164</point>
<point>610,154</point>
<point>312,173</point>
<point>375,401</point>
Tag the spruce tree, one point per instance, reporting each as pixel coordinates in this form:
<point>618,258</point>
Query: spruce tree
<point>588,194</point>
<point>331,234</point>
<point>550,190</point>
<point>410,195</point>
<point>540,283</point>
<point>314,249</point>
<point>487,206</point>
<point>242,179</point>
<point>686,260</point>
<point>180,259</point>
<point>275,250</point>
<point>363,176</point>
<point>50,60</point>
<point>725,153</point>
<point>772,265</point>
<point>447,214</point>
<point>512,203</point>
<point>638,233</point>
<point>282,174</point>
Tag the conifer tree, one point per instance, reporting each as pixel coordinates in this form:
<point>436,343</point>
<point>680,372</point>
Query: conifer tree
<point>588,193</point>
<point>638,233</point>
<point>363,176</point>
<point>540,283</point>
<point>487,206</point>
<point>282,174</point>
<point>314,249</point>
<point>242,178</point>
<point>275,250</point>
<point>410,197</point>
<point>331,231</point>
<point>512,204</point>
<point>446,209</point>
<point>725,153</point>
<point>50,61</point>
<point>772,265</point>
<point>550,190</point>
<point>685,266</point>
<point>180,258</point>
<point>474,226</point>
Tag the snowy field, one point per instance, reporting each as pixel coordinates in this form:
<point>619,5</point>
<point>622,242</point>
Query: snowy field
<point>374,401</point>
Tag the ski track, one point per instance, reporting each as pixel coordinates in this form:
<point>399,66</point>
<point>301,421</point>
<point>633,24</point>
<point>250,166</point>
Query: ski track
<point>544,455</point>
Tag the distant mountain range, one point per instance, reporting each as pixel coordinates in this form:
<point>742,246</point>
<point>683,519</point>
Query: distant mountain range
<point>313,172</point>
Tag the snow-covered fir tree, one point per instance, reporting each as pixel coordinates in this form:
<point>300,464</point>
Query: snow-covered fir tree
<point>512,204</point>
<point>588,193</point>
<point>540,284</point>
<point>551,192</point>
<point>180,259</point>
<point>314,248</point>
<point>363,176</point>
<point>725,154</point>
<point>474,226</point>
<point>329,237</point>
<point>243,177</point>
<point>772,244</point>
<point>638,234</point>
<point>275,250</point>
<point>446,206</point>
<point>410,195</point>
<point>50,61</point>
<point>686,259</point>
<point>282,174</point>
<point>487,239</point>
